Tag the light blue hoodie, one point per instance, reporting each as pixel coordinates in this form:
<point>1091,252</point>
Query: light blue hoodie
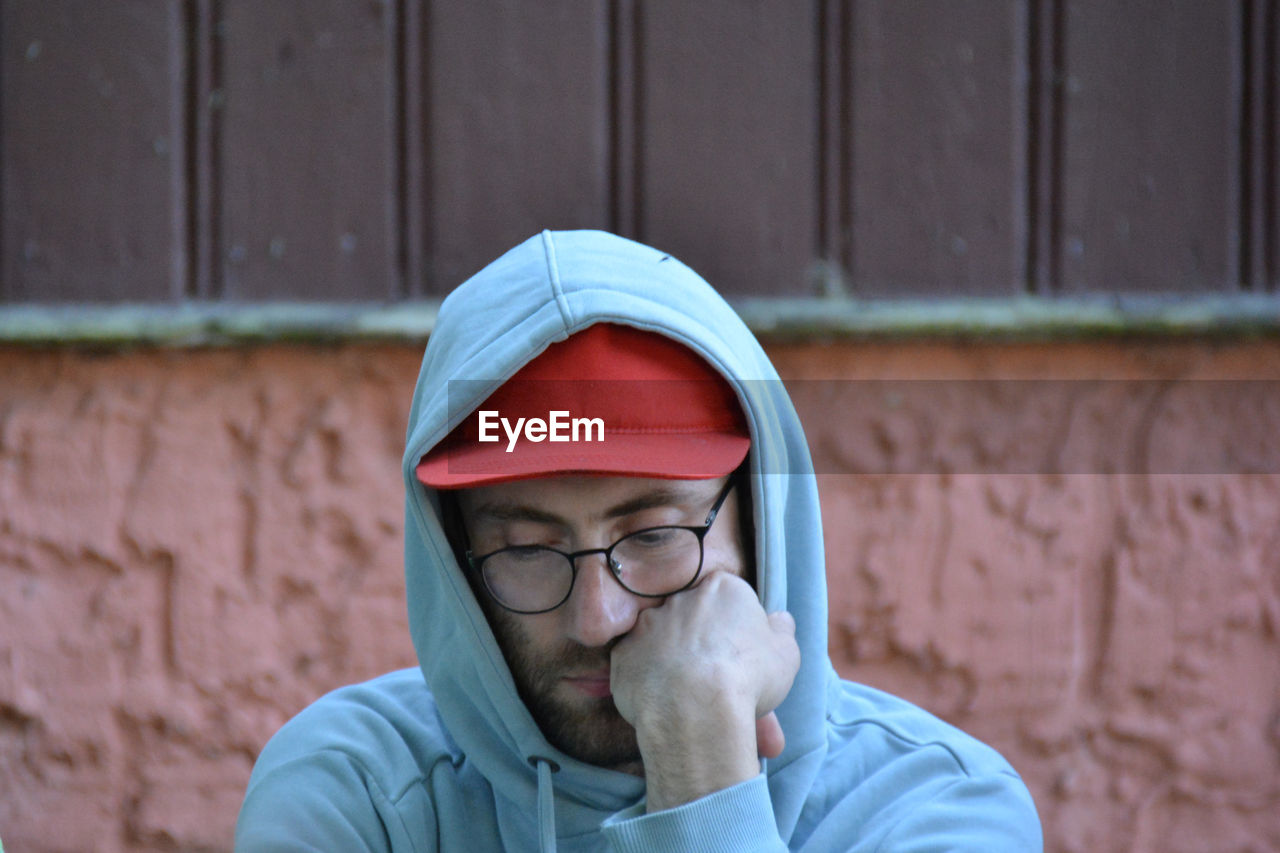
<point>447,757</point>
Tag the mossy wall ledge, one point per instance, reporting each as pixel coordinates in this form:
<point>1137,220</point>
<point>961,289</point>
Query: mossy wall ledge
<point>193,324</point>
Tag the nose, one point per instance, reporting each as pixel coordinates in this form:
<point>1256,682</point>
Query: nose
<point>599,608</point>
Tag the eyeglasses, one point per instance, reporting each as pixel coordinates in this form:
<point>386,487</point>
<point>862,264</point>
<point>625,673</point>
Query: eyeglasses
<point>652,563</point>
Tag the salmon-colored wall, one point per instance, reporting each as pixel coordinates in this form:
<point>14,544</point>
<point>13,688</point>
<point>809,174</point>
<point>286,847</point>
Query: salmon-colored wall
<point>194,544</point>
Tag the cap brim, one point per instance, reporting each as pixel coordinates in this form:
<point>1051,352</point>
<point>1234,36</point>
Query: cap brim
<point>672,457</point>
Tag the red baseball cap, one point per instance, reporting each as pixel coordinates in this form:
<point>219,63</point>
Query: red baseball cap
<point>609,400</point>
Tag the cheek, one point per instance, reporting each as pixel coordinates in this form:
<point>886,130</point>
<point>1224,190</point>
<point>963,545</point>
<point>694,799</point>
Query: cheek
<point>524,640</point>
<point>512,630</point>
<point>724,554</point>
<point>724,550</point>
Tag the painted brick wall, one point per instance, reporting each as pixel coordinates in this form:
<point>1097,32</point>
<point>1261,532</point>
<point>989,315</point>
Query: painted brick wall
<point>195,544</point>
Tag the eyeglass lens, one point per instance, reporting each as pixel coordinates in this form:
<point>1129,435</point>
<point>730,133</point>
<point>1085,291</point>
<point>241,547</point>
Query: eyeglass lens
<point>653,562</point>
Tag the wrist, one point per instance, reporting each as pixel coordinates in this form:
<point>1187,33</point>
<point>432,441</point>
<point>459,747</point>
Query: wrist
<point>692,752</point>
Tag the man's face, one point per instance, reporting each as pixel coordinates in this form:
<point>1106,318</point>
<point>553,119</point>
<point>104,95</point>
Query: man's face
<point>560,659</point>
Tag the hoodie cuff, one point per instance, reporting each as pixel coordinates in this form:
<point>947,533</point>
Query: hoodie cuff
<point>738,818</point>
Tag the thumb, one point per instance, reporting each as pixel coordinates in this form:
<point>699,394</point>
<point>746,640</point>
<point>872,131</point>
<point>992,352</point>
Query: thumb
<point>782,622</point>
<point>769,737</point>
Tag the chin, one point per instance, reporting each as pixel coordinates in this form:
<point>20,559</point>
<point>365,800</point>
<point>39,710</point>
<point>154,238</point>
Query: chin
<point>591,731</point>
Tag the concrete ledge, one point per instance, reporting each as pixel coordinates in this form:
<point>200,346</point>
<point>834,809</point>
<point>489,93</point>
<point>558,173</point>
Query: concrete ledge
<point>214,323</point>
<point>1015,318</point>
<point>1021,318</point>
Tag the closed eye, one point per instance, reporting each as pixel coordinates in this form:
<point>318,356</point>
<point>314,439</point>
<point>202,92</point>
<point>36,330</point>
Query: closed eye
<point>654,537</point>
<point>526,552</point>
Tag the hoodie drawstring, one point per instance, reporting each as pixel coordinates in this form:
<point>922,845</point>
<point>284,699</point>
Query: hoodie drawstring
<point>546,803</point>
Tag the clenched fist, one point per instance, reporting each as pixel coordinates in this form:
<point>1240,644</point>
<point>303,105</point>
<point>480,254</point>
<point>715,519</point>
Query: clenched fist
<point>699,677</point>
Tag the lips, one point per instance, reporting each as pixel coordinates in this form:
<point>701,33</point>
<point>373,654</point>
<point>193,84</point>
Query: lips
<point>594,684</point>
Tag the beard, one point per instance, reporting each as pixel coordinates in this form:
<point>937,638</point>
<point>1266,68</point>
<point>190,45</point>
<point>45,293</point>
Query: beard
<point>587,728</point>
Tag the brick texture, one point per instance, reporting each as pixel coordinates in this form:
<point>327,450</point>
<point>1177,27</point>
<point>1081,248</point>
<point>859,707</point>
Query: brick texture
<point>195,544</point>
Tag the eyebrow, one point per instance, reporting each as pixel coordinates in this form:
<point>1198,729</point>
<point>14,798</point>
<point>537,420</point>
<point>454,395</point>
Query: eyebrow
<point>523,512</point>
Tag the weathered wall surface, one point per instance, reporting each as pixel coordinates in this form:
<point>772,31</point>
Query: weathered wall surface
<point>1117,635</point>
<point>195,544</point>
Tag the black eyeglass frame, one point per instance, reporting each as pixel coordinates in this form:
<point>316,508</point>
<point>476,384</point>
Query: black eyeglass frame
<point>700,531</point>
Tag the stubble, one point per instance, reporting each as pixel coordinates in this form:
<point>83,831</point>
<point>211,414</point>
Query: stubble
<point>587,728</point>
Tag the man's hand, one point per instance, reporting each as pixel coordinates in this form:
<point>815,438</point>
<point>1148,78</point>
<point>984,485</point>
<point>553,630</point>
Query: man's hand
<point>699,677</point>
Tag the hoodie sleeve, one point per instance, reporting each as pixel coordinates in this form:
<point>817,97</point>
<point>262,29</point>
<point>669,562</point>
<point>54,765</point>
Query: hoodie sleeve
<point>972,814</point>
<point>738,819</point>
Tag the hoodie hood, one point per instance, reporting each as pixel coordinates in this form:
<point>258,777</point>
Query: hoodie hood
<point>540,292</point>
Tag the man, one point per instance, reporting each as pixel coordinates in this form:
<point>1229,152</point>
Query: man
<point>616,589</point>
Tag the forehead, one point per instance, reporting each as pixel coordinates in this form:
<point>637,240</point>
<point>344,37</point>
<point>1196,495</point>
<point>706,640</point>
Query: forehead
<point>584,497</point>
